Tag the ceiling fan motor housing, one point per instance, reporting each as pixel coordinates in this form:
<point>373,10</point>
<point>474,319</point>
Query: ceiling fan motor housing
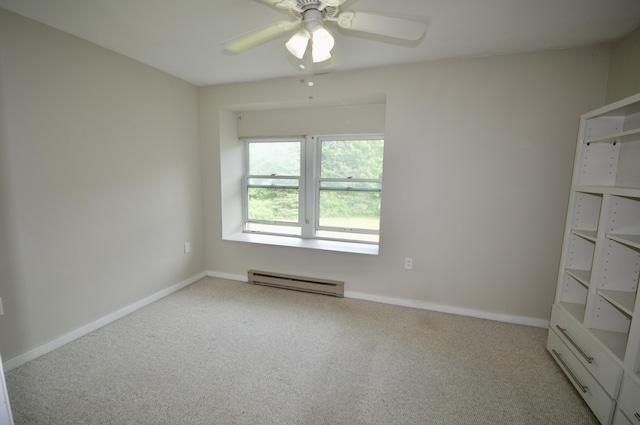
<point>303,4</point>
<point>298,8</point>
<point>312,18</point>
<point>319,4</point>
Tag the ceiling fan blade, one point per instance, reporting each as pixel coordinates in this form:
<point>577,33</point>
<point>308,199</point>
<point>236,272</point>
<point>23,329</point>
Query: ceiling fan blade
<point>258,37</point>
<point>389,26</point>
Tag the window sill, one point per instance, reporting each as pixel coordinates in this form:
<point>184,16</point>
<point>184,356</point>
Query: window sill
<point>325,245</point>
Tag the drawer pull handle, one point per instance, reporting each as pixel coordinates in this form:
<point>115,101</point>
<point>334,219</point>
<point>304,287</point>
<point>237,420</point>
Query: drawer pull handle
<point>563,331</point>
<point>573,376</point>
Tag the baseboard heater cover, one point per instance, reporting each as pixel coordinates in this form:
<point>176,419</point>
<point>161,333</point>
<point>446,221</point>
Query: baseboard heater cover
<point>297,283</point>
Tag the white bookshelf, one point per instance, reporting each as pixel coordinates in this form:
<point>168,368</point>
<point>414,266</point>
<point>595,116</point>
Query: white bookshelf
<point>596,303</point>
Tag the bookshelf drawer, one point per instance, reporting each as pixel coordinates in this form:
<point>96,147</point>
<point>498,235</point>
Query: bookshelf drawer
<point>629,400</point>
<point>596,397</point>
<point>592,356</point>
<point>620,418</point>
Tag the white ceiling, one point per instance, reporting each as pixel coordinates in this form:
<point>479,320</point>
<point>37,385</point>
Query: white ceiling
<point>183,37</point>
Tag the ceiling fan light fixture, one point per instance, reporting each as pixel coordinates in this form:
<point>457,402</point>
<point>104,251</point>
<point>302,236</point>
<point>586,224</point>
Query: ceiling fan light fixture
<point>310,15</point>
<point>322,43</point>
<point>297,44</point>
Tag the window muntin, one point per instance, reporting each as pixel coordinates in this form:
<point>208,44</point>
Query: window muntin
<point>338,197</point>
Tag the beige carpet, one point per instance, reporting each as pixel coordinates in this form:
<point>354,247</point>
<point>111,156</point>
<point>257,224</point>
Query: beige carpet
<point>223,352</point>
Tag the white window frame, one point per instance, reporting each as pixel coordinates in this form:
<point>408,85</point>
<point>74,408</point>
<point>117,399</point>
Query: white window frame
<point>245,186</point>
<point>318,180</point>
<point>309,190</point>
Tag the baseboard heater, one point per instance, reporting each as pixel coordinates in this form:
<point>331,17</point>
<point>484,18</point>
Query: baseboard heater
<point>297,283</point>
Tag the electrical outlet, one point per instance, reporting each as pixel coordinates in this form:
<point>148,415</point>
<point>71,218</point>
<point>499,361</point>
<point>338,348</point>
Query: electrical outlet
<point>408,263</point>
<point>187,247</point>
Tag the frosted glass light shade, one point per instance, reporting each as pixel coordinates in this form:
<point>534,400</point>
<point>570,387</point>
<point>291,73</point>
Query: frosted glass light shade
<point>323,42</point>
<point>297,44</point>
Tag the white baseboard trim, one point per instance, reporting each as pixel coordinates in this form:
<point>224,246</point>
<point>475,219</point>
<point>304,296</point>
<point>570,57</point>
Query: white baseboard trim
<point>518,320</point>
<point>84,330</point>
<point>227,276</point>
<point>506,318</point>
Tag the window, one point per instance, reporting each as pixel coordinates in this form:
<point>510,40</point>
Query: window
<point>318,187</point>
<point>272,181</point>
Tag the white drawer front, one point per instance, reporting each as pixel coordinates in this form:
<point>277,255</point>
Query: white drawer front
<point>596,359</point>
<point>629,400</point>
<point>620,419</point>
<point>595,396</point>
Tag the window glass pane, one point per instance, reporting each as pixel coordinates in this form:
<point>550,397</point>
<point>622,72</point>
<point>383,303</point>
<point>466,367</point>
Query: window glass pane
<point>347,185</point>
<point>359,159</point>
<point>273,204</point>
<point>290,183</point>
<point>350,210</point>
<point>274,158</point>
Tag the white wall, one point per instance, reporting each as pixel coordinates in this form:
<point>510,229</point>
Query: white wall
<point>478,161</point>
<point>99,183</point>
<point>624,68</point>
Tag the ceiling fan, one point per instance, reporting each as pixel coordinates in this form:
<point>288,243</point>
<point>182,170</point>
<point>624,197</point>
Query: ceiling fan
<point>310,18</point>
